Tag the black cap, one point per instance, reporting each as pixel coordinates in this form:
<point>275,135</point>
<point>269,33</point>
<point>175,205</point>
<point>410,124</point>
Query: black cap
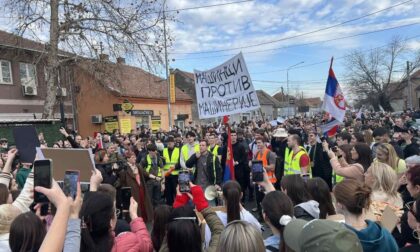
<point>171,139</point>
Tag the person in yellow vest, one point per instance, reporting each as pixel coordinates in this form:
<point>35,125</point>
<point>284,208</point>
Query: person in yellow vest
<point>213,147</point>
<point>152,166</point>
<point>296,159</point>
<point>171,156</point>
<point>268,159</point>
<point>208,169</point>
<point>188,149</point>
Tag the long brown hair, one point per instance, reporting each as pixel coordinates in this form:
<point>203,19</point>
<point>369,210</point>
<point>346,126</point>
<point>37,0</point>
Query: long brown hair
<point>232,194</point>
<point>276,204</point>
<point>353,194</point>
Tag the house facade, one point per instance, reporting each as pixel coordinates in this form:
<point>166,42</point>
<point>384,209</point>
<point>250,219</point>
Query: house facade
<point>104,86</point>
<point>23,81</point>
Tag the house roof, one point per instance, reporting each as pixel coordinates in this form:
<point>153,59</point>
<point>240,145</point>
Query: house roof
<point>312,102</point>
<point>15,41</point>
<point>130,81</point>
<point>266,99</point>
<point>185,74</point>
<point>281,97</point>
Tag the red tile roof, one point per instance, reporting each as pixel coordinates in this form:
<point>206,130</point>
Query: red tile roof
<point>130,81</point>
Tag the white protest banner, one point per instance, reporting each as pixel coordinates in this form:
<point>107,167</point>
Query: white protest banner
<point>225,90</point>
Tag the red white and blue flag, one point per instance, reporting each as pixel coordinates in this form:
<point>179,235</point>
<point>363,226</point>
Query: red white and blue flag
<point>334,102</point>
<point>229,173</point>
<point>330,128</point>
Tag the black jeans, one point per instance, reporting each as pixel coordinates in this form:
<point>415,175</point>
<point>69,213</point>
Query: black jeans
<point>170,188</point>
<point>154,190</point>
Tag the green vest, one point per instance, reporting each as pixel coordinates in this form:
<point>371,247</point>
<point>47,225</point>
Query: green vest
<point>149,166</point>
<point>172,161</point>
<point>184,151</point>
<point>215,150</point>
<point>291,163</point>
<point>337,178</point>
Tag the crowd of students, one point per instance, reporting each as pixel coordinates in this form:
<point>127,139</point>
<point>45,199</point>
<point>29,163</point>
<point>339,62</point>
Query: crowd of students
<point>318,193</point>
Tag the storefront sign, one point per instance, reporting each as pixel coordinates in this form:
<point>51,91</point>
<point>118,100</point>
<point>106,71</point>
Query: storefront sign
<point>111,123</point>
<point>125,125</point>
<point>142,112</point>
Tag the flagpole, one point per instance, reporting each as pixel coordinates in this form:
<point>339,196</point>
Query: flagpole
<point>332,59</point>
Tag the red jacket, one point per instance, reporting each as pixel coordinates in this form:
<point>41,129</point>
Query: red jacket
<point>138,240</point>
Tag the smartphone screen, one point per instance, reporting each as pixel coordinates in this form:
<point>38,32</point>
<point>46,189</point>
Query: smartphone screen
<point>42,177</point>
<point>257,171</point>
<point>71,178</point>
<point>125,197</point>
<point>184,182</point>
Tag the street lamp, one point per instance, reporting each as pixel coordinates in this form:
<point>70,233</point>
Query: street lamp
<point>288,95</point>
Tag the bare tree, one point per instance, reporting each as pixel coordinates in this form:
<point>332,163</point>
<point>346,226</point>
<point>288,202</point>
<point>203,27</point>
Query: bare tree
<point>87,28</point>
<point>376,77</point>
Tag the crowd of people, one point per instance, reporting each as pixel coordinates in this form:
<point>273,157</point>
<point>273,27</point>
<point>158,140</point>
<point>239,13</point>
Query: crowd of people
<point>319,192</point>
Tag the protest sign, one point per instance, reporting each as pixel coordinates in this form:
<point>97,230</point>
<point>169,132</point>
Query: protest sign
<point>26,140</point>
<point>70,159</point>
<point>225,90</point>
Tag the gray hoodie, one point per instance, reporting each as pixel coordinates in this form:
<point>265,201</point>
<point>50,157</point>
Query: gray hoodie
<point>308,210</point>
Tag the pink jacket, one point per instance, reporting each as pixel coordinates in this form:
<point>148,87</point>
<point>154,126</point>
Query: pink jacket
<point>138,240</point>
<point>352,171</point>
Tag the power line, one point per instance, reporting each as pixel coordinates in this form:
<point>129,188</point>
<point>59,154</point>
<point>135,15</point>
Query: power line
<point>305,44</point>
<point>301,34</point>
<point>180,9</point>
<point>208,6</point>
<point>327,61</point>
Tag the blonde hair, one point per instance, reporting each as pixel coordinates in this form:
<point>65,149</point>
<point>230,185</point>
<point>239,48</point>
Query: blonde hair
<point>240,236</point>
<point>392,157</point>
<point>384,178</point>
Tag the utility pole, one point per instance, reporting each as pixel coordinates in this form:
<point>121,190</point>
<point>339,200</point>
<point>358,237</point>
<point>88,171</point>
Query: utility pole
<point>409,95</point>
<point>288,94</point>
<point>167,69</point>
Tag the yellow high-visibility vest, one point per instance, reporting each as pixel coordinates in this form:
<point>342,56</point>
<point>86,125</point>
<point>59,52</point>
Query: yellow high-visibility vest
<point>292,163</point>
<point>171,161</point>
<point>215,150</point>
<point>149,166</point>
<point>184,151</point>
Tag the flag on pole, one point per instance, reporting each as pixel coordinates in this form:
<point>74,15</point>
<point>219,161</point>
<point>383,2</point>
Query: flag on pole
<point>330,128</point>
<point>334,102</point>
<point>229,173</point>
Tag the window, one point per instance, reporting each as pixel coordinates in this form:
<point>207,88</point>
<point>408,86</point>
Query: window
<point>6,72</point>
<point>27,74</point>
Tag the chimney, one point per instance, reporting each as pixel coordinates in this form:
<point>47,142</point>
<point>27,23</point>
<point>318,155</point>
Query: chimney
<point>104,57</point>
<point>121,60</point>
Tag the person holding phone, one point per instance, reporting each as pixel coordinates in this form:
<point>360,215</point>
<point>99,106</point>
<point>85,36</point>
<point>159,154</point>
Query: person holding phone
<point>268,159</point>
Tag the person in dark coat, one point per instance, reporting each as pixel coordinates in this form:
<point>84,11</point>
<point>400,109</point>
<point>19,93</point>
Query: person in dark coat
<point>411,148</point>
<point>208,170</point>
<point>133,177</point>
<point>320,162</point>
<point>240,157</point>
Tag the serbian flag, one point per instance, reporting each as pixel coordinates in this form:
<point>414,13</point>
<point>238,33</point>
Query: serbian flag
<point>230,166</point>
<point>330,128</point>
<point>334,102</point>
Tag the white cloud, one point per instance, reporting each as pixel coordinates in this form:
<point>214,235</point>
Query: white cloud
<point>258,21</point>
<point>414,45</point>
